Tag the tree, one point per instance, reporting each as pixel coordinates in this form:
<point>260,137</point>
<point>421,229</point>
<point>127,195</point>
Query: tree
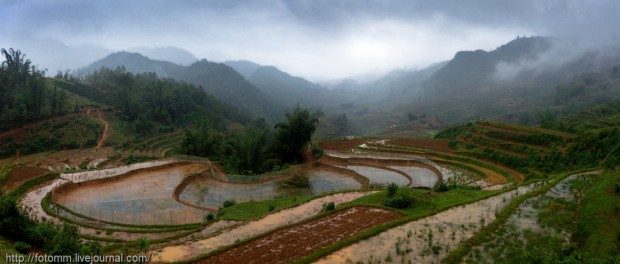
<point>293,135</point>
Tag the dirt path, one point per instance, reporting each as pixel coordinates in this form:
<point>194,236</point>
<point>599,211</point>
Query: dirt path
<point>427,240</point>
<point>105,133</point>
<point>251,229</point>
<point>294,242</point>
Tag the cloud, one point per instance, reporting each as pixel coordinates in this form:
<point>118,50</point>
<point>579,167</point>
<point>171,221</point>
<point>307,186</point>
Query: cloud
<point>315,39</point>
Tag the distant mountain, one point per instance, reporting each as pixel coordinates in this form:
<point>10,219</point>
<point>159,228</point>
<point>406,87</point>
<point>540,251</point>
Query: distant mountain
<point>215,78</point>
<point>515,82</point>
<point>172,54</point>
<point>280,86</point>
<point>133,62</point>
<point>243,67</point>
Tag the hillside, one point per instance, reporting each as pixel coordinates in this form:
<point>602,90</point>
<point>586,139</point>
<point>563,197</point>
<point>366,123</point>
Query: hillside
<point>280,86</point>
<point>215,78</point>
<point>514,83</point>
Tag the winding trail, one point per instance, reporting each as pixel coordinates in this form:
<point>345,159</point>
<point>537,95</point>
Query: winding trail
<point>106,127</point>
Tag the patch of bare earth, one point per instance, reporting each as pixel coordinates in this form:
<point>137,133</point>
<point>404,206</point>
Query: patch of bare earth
<point>268,223</point>
<point>297,241</point>
<point>19,175</point>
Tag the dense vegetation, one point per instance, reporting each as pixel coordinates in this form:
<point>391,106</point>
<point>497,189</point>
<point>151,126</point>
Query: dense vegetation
<point>71,132</point>
<point>255,148</point>
<point>52,239</point>
<point>152,104</point>
<point>24,94</point>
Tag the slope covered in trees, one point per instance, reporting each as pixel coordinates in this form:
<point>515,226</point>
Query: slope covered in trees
<point>215,78</point>
<point>24,93</point>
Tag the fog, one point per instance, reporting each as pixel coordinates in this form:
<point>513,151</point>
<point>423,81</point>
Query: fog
<point>318,40</point>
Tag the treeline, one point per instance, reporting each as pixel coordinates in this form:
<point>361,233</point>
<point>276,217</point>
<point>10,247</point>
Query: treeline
<point>154,104</point>
<point>24,95</point>
<point>255,148</point>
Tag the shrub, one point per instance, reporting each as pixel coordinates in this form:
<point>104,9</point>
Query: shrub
<point>441,187</point>
<point>229,203</point>
<point>21,247</point>
<point>329,207</point>
<point>452,144</point>
<point>210,217</point>
<point>391,189</point>
<point>398,201</point>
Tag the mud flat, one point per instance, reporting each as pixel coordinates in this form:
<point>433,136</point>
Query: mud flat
<point>270,222</point>
<point>285,245</point>
<point>429,239</point>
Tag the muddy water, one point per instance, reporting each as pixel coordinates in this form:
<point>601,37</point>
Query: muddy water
<point>210,193</point>
<point>325,181</point>
<point>140,198</point>
<point>420,177</point>
<point>377,175</point>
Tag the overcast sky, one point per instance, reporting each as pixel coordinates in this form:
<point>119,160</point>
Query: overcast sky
<point>319,40</point>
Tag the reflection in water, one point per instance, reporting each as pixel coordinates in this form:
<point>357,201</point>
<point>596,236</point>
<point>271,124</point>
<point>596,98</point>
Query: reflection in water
<point>210,193</point>
<point>378,176</point>
<point>144,197</point>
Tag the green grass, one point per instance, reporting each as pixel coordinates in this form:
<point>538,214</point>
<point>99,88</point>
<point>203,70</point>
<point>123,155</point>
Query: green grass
<point>598,226</point>
<point>6,248</point>
<point>256,209</point>
<point>424,200</point>
<point>4,173</point>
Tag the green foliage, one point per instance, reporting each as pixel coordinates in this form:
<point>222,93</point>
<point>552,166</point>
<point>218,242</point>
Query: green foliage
<point>400,201</point>
<point>327,207</point>
<point>71,133</point>
<point>392,189</point>
<point>229,203</point>
<point>143,244</point>
<point>151,103</point>
<point>256,209</point>
<point>440,186</point>
<point>21,247</point>
<point>254,149</point>
<point>209,217</point>
<point>24,96</point>
<point>292,136</point>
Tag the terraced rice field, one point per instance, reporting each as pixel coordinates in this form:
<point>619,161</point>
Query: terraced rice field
<point>167,201</point>
<point>139,198</point>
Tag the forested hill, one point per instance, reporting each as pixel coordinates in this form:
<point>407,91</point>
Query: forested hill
<point>215,78</point>
<point>280,86</point>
